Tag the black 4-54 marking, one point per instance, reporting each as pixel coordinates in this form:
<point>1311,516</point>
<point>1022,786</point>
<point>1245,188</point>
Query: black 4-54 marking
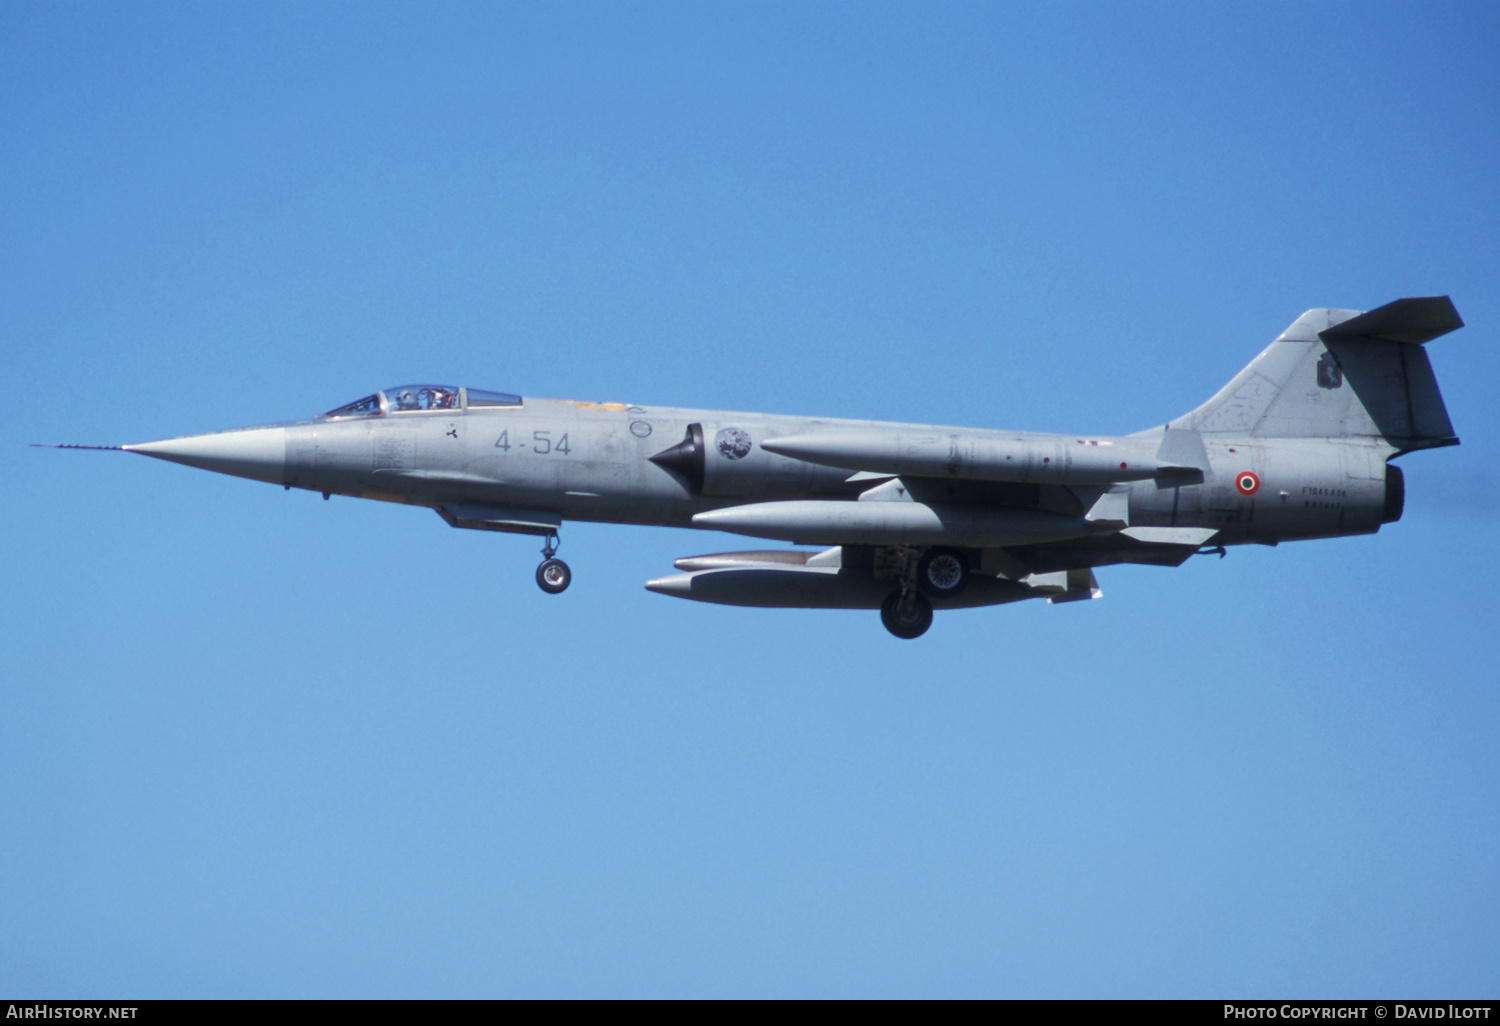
<point>542,443</point>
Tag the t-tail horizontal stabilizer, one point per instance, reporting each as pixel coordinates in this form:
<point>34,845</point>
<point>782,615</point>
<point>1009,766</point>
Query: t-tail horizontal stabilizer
<point>1413,321</point>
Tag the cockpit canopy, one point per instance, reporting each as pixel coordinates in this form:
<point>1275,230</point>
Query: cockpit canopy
<point>423,399</point>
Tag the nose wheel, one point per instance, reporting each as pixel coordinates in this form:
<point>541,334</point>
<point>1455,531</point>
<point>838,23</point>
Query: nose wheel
<point>553,575</point>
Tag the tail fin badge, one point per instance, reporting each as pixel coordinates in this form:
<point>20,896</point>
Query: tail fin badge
<point>1330,374</point>
<point>1246,483</point>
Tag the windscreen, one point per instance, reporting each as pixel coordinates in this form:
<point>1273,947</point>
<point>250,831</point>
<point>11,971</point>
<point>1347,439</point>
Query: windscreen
<point>369,406</point>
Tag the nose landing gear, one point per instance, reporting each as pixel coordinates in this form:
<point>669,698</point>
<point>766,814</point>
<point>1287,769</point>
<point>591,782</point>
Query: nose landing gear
<point>553,575</point>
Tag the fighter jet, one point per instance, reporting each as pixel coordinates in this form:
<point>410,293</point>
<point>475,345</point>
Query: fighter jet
<point>905,518</point>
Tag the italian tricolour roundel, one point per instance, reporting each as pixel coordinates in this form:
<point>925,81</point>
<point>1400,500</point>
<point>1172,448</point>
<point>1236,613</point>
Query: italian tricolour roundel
<point>1246,482</point>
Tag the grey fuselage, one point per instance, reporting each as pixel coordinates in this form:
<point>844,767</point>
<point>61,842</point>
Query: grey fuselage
<point>589,461</point>
<point>1295,446</point>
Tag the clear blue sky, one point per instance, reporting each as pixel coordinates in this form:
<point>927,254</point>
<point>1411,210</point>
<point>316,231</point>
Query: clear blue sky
<point>256,744</point>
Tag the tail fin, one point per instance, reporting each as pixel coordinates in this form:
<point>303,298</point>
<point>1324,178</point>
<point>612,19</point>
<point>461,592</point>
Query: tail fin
<point>1342,374</point>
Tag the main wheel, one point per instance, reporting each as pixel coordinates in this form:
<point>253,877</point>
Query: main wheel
<point>906,616</point>
<point>942,573</point>
<point>553,576</point>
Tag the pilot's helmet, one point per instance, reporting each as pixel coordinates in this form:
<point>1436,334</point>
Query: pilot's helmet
<point>406,400</point>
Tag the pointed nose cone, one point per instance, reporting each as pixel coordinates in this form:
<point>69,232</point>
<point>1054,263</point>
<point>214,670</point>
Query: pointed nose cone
<point>256,453</point>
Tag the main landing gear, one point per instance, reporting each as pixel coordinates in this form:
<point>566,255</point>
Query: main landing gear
<point>938,573</point>
<point>942,573</point>
<point>553,575</point>
<point>906,613</point>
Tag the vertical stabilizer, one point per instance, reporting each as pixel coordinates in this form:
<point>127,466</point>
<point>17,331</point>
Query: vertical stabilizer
<point>1342,374</point>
